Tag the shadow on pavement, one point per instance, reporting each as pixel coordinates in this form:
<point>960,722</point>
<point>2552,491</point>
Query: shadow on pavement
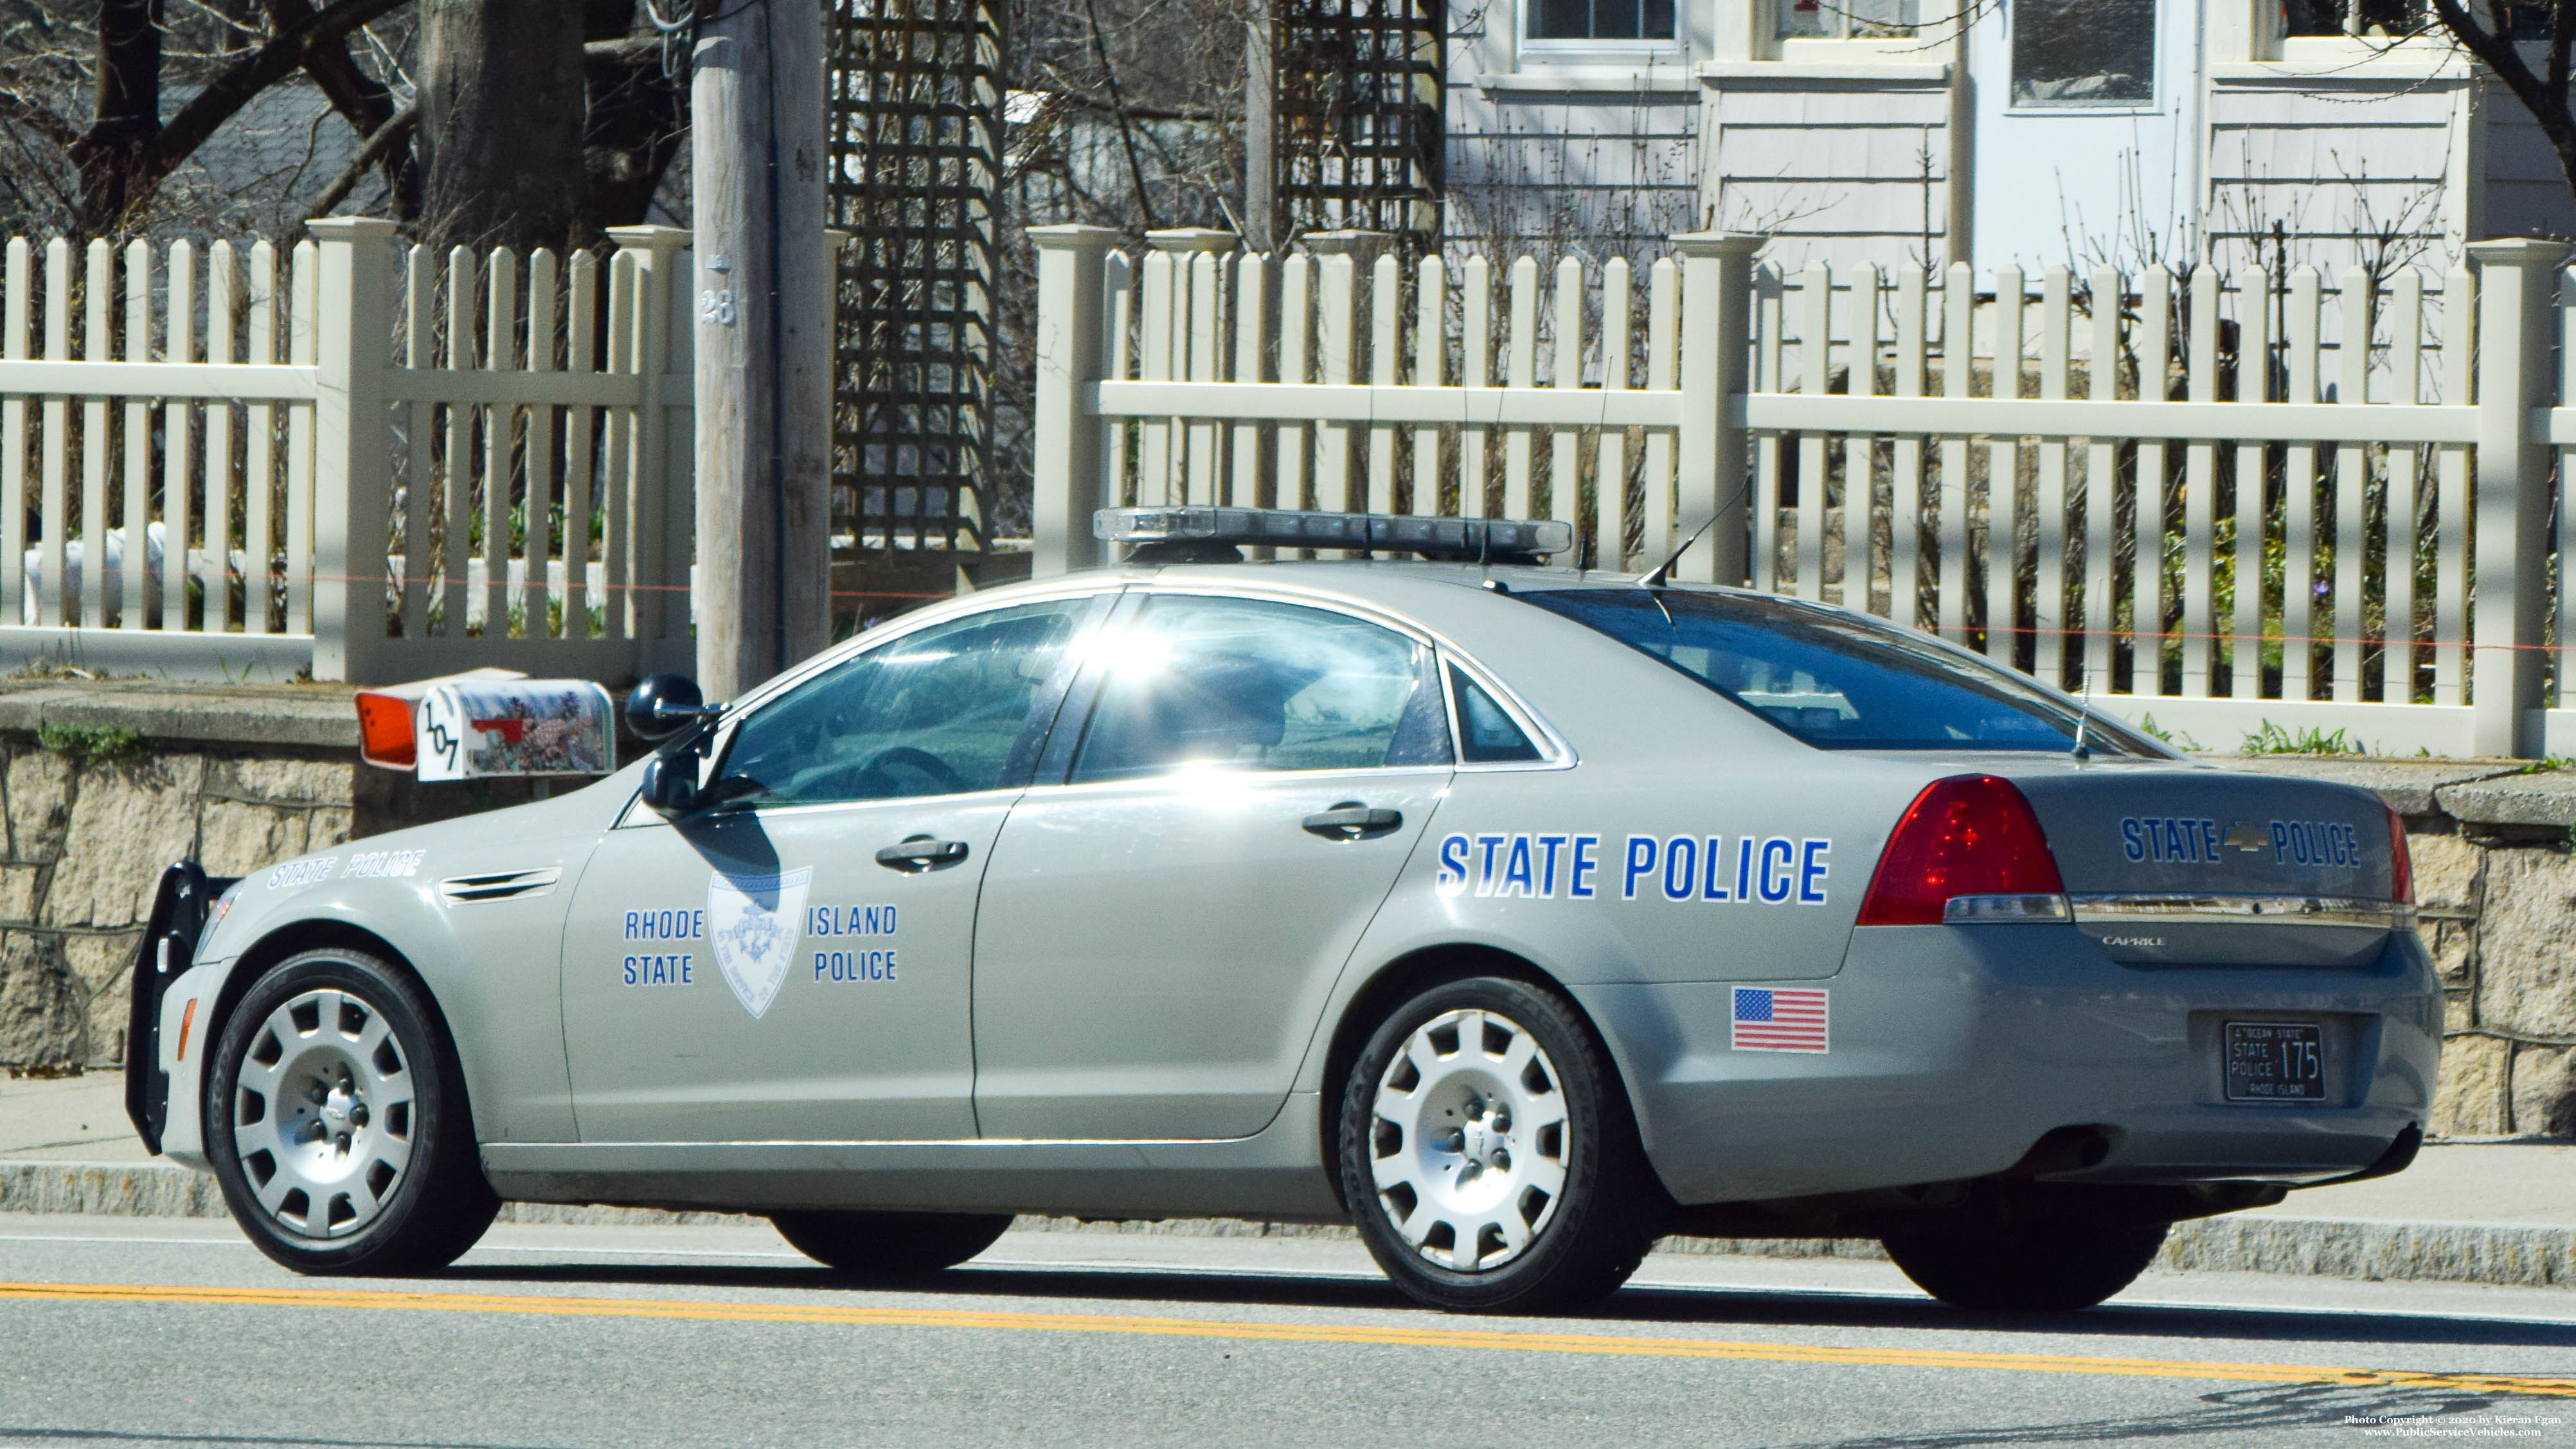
<point>1633,1310</point>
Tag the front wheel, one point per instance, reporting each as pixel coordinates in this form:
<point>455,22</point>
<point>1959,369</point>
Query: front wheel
<point>889,1246</point>
<point>336,1121</point>
<point>2032,1265</point>
<point>1488,1154</point>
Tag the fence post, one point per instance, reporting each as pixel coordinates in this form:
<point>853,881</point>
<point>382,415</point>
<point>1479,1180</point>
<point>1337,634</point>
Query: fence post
<point>2512,595</point>
<point>352,481</point>
<point>1065,483</point>
<point>664,501</point>
<point>1717,333</point>
<point>1341,256</point>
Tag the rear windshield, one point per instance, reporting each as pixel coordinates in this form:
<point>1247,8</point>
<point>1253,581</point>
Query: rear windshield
<point>1834,681</point>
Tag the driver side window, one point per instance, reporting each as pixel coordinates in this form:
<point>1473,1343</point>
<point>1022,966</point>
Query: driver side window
<point>945,711</point>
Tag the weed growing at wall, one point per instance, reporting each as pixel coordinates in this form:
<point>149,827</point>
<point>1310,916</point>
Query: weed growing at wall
<point>2271,739</point>
<point>86,746</point>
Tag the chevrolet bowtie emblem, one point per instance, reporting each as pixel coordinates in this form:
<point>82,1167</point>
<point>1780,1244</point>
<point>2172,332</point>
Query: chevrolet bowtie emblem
<point>2248,838</point>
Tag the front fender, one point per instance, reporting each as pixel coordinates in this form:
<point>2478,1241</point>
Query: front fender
<point>491,964</point>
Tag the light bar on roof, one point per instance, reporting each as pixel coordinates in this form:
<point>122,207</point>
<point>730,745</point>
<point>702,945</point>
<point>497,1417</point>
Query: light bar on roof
<point>1448,538</point>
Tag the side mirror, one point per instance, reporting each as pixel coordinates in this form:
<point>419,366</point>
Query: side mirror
<point>666,704</point>
<point>670,784</point>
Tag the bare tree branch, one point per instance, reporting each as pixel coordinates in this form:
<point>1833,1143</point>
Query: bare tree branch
<point>2546,100</point>
<point>394,132</point>
<point>38,118</point>
<point>286,52</point>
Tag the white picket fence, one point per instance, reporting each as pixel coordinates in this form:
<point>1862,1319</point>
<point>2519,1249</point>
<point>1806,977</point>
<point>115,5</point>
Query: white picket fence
<point>370,463</point>
<point>1853,438</point>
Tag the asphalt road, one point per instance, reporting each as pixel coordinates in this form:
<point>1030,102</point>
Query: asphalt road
<point>118,1332</point>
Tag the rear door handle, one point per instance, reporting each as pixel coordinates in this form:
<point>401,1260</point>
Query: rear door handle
<point>1351,820</point>
<point>921,852</point>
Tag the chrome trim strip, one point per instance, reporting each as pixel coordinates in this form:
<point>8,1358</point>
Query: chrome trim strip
<point>461,889</point>
<point>2190,907</point>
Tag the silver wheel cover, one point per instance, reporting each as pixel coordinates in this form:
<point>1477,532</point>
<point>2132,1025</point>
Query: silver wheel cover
<point>1469,1140</point>
<point>322,1114</point>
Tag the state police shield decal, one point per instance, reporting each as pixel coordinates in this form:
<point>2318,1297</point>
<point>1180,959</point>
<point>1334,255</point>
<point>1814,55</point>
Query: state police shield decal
<point>754,923</point>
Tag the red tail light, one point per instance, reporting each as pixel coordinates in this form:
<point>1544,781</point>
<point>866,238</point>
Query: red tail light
<point>2401,863</point>
<point>1969,835</point>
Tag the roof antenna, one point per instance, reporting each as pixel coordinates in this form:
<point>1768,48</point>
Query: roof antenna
<point>1662,573</point>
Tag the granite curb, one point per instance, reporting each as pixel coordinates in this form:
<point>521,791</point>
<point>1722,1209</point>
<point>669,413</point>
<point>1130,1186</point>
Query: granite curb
<point>2519,1255</point>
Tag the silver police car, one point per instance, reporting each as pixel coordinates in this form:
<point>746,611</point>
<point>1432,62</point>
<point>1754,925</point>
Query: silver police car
<point>1516,916</point>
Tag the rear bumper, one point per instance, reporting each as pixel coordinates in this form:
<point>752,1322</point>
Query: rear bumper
<point>1952,1050</point>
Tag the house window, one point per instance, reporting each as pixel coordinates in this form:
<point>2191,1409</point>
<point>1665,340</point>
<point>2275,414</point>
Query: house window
<point>2083,52</point>
<point>2355,17</point>
<point>1602,20</point>
<point>1847,19</point>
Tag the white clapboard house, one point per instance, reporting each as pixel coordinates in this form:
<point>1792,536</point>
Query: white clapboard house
<point>2029,132</point>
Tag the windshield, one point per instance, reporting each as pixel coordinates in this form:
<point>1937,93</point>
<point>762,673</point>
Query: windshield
<point>1835,681</point>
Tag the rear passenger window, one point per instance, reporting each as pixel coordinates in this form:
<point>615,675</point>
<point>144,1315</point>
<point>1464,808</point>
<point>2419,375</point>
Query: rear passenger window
<point>1486,734</point>
<point>1838,681</point>
<point>1249,684</point>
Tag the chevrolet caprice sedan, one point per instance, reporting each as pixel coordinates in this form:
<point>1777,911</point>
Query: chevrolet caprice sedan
<point>1516,916</point>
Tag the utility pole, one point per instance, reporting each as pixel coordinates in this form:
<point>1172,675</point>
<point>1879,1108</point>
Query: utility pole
<point>763,302</point>
<point>1261,129</point>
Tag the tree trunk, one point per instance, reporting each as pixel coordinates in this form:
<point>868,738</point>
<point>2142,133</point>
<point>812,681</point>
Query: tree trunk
<point>500,122</point>
<point>637,117</point>
<point>126,112</point>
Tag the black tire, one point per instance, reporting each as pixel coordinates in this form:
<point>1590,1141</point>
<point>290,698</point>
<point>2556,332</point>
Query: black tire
<point>889,1247</point>
<point>1582,1240</point>
<point>2024,1263</point>
<point>402,1097</point>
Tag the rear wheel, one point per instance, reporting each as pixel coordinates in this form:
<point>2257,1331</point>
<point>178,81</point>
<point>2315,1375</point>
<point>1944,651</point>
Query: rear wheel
<point>889,1246</point>
<point>2021,1264</point>
<point>1488,1154</point>
<point>336,1121</point>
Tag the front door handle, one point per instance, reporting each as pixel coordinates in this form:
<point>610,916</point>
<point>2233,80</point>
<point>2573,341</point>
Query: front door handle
<point>918,853</point>
<point>1351,820</point>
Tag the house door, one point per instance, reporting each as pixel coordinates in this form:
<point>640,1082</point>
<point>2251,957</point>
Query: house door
<point>2084,116</point>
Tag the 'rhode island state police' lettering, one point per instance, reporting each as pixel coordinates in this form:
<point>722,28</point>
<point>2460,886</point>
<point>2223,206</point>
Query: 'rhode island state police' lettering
<point>2180,840</point>
<point>660,971</point>
<point>2316,842</point>
<point>666,925</point>
<point>850,921</point>
<point>295,875</point>
<point>1541,867</point>
<point>659,924</point>
<point>1763,870</point>
<point>689,923</point>
<point>2169,840</point>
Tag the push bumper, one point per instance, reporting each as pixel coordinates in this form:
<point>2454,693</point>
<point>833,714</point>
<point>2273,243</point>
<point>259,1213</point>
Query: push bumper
<point>169,944</point>
<point>1952,1051</point>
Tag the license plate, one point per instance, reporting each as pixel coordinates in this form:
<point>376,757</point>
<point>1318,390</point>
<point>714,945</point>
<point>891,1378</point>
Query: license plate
<point>2274,1061</point>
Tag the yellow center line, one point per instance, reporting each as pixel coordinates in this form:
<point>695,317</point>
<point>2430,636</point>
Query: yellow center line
<point>1400,1336</point>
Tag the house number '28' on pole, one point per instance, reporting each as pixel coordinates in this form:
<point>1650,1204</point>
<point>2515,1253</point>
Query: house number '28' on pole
<point>713,305</point>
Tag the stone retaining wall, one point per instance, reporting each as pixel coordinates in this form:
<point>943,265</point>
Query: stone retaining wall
<point>241,776</point>
<point>85,846</point>
<point>103,786</point>
<point>2495,885</point>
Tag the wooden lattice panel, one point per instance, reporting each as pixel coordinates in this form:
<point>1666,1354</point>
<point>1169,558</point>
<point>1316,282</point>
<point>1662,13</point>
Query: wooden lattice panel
<point>915,143</point>
<point>1359,108</point>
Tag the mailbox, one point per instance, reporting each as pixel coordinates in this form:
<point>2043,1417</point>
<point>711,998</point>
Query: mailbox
<point>488,724</point>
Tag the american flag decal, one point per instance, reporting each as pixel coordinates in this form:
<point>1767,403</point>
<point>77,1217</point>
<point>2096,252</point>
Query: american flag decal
<point>1778,1019</point>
